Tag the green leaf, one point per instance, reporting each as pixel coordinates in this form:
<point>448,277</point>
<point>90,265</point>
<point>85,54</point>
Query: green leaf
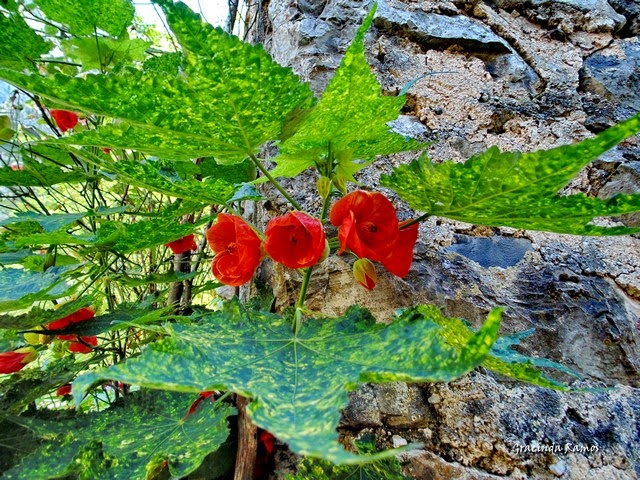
<point>502,359</point>
<point>352,115</point>
<point>36,174</point>
<point>20,288</point>
<point>13,258</point>
<point>6,132</point>
<point>20,44</point>
<point>317,469</point>
<point>129,441</point>
<point>51,223</point>
<point>124,316</point>
<point>154,278</point>
<point>298,382</point>
<point>37,316</point>
<point>516,189</point>
<point>103,52</point>
<point>18,391</point>
<point>229,98</point>
<point>173,178</point>
<point>84,16</point>
<point>122,237</point>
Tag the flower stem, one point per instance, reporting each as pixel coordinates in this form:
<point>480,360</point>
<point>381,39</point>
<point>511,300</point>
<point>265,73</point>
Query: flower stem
<point>303,288</point>
<point>421,218</point>
<point>274,182</point>
<point>297,316</point>
<point>325,204</point>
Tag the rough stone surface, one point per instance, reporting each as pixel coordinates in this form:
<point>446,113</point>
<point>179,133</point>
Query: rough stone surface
<point>522,75</point>
<point>612,74</point>
<point>631,11</point>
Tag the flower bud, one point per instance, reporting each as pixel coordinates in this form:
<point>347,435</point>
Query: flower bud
<point>30,356</point>
<point>324,186</point>
<point>32,338</point>
<point>340,183</point>
<point>365,273</point>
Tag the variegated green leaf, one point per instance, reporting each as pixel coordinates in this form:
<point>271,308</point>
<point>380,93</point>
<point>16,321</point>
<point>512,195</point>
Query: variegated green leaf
<point>21,288</point>
<point>53,222</point>
<point>85,16</point>
<point>229,98</point>
<point>516,189</point>
<point>298,382</point>
<point>20,44</point>
<point>352,116</point>
<point>131,441</point>
<point>317,469</point>
<point>38,316</point>
<point>124,237</point>
<point>502,358</point>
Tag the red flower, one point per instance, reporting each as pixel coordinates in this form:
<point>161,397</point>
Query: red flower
<point>64,390</point>
<point>65,119</point>
<point>237,248</point>
<point>86,313</point>
<point>264,455</point>
<point>295,240</point>
<point>365,273</point>
<point>368,224</point>
<point>80,347</point>
<point>182,245</point>
<point>401,256</point>
<point>370,229</point>
<point>203,396</point>
<point>11,362</point>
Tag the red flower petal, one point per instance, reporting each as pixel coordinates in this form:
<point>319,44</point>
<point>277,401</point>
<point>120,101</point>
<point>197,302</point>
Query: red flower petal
<point>65,119</point>
<point>237,248</point>
<point>64,390</point>
<point>203,396</point>
<point>11,362</point>
<point>368,224</point>
<point>296,240</point>
<point>401,256</point>
<point>79,347</point>
<point>78,316</point>
<point>71,337</point>
<point>182,245</point>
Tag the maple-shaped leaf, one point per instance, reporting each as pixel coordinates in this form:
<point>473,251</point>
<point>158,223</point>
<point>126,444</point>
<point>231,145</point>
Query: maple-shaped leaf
<point>298,382</point>
<point>350,120</point>
<point>120,236</point>
<point>85,16</point>
<point>21,288</point>
<point>516,189</point>
<point>228,99</point>
<point>502,359</point>
<point>53,222</point>
<point>20,44</point>
<point>318,469</point>
<point>151,431</point>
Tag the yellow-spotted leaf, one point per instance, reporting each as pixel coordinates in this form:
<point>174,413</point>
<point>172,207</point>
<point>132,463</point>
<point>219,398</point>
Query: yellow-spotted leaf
<point>298,382</point>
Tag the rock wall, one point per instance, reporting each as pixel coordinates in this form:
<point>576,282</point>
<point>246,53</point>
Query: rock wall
<point>520,74</point>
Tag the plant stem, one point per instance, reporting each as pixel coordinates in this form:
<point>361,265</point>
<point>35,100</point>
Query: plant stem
<point>303,288</point>
<point>275,182</point>
<point>421,218</point>
<point>325,203</point>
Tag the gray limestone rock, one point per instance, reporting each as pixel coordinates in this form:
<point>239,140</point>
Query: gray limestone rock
<point>612,74</point>
<point>568,15</point>
<point>631,10</point>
